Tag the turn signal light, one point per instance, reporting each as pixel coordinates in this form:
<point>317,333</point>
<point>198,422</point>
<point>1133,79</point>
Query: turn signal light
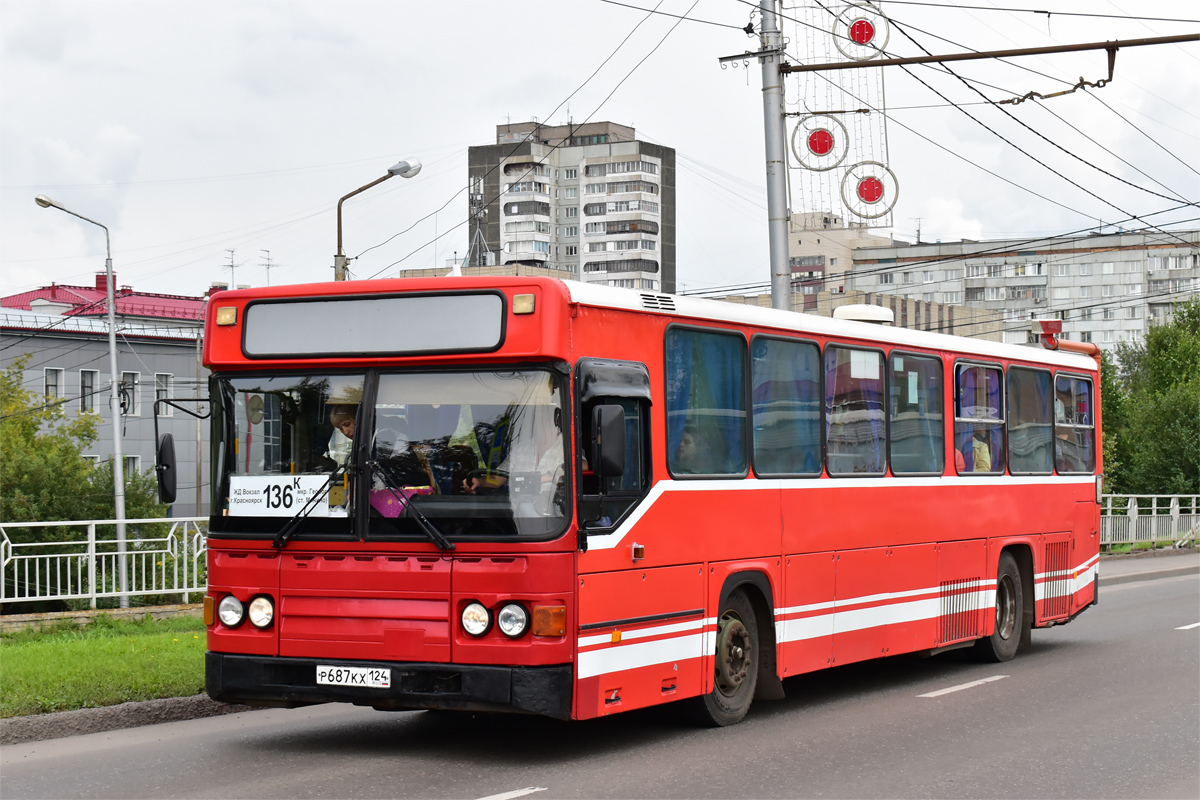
<point>210,611</point>
<point>549,620</point>
<point>227,315</point>
<point>522,304</point>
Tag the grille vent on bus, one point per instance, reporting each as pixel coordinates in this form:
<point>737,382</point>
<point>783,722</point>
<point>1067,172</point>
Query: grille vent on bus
<point>960,610</point>
<point>1056,591</point>
<point>658,302</point>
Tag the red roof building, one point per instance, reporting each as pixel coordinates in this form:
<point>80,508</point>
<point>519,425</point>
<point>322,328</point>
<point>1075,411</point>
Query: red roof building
<point>89,301</point>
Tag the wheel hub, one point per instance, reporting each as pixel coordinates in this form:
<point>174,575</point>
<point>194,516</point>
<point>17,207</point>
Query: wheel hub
<point>734,656</point>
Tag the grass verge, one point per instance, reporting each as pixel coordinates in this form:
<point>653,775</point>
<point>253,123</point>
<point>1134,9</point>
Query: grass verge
<point>109,661</point>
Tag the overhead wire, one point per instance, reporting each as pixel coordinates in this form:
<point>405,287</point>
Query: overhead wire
<point>541,161</point>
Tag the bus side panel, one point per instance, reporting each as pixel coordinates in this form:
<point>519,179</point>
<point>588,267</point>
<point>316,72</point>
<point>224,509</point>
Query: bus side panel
<point>1087,554</point>
<point>863,609</point>
<point>965,592</point>
<point>805,618</point>
<point>915,608</point>
<point>738,574</point>
<point>641,638</point>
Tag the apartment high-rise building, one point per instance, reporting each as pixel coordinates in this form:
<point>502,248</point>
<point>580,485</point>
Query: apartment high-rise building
<point>587,202</point>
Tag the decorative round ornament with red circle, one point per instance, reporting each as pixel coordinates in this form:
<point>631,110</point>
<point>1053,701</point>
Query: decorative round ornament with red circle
<point>860,32</point>
<point>869,189</point>
<point>820,142</point>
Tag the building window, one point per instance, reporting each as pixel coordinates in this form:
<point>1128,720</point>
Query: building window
<point>572,250</point>
<point>133,465</point>
<point>975,295</point>
<point>927,297</point>
<point>1157,262</point>
<point>572,231</point>
<point>1085,269</point>
<point>954,274</point>
<point>887,278</point>
<point>162,391</point>
<point>1133,312</point>
<point>572,211</point>
<point>1085,313</point>
<point>1085,336</point>
<point>833,262</point>
<point>87,390</point>
<point>1062,293</point>
<point>995,270</point>
<point>906,277</point>
<point>1110,313</point>
<point>597,247</point>
<point>1108,290</point>
<point>1062,270</point>
<point>1085,291</point>
<point>954,297</point>
<point>1133,288</point>
<point>570,174</point>
<point>1108,268</point>
<point>131,402</point>
<point>54,383</point>
<point>571,193</point>
<point>975,271</point>
<point>994,293</point>
<point>929,276</point>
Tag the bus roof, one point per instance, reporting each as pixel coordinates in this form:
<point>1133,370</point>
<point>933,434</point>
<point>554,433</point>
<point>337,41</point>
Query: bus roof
<point>589,294</point>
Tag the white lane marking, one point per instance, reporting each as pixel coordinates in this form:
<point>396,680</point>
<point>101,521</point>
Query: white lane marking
<point>962,686</point>
<point>1188,627</point>
<point>514,793</point>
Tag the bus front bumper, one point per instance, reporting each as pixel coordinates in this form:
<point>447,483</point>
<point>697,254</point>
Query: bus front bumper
<point>267,681</point>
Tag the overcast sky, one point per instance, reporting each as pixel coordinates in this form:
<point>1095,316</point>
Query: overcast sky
<point>193,128</point>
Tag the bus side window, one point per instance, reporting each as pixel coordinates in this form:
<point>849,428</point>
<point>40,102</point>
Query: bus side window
<point>786,406</point>
<point>1029,422</point>
<point>979,419</point>
<point>706,403</point>
<point>917,441</point>
<point>1074,425</point>
<point>854,411</point>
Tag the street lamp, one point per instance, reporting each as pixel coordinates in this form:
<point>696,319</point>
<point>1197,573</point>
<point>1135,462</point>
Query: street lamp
<point>114,401</point>
<point>405,169</point>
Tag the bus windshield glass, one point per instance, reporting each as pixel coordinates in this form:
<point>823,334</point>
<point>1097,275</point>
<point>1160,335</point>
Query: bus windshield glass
<point>478,454</point>
<point>472,454</point>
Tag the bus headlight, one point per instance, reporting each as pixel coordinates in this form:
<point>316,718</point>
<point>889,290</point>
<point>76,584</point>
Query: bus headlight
<point>513,620</point>
<point>230,611</point>
<point>476,620</point>
<point>262,612</point>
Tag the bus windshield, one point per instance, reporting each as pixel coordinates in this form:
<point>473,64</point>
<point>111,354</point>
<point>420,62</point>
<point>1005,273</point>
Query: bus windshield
<point>386,456</point>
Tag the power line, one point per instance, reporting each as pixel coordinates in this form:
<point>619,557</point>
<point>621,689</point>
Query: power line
<point>1038,11</point>
<point>542,161</point>
<point>676,16</point>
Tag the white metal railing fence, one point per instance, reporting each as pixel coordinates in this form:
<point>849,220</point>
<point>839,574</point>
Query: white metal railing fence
<point>1149,519</point>
<point>80,560</point>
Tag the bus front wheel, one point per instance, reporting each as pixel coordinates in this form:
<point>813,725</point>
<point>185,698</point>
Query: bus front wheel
<point>735,669</point>
<point>1010,614</point>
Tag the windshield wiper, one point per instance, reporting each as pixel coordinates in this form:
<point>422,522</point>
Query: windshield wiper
<point>410,508</point>
<point>293,525</point>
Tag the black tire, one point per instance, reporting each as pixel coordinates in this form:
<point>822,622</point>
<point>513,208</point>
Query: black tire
<point>1002,645</point>
<point>735,670</point>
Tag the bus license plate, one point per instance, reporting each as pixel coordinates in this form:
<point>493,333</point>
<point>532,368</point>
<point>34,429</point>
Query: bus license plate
<point>369,677</point>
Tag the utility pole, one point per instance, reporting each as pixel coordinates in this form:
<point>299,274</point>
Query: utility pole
<point>775,136</point>
<point>918,221</point>
<point>231,267</point>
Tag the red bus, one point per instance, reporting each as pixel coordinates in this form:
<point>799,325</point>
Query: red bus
<point>549,497</point>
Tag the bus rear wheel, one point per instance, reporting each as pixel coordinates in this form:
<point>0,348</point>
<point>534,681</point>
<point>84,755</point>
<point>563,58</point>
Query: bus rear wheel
<point>735,669</point>
<point>1010,614</point>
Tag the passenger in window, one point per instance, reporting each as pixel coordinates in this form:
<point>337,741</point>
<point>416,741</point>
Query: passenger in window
<point>535,456</point>
<point>981,453</point>
<point>341,442</point>
<point>693,455</point>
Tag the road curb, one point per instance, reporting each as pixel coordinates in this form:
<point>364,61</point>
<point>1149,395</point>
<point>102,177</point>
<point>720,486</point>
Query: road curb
<point>40,727</point>
<point>1147,575</point>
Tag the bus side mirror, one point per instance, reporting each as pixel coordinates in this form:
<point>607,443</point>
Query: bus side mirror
<point>608,441</point>
<point>164,469</point>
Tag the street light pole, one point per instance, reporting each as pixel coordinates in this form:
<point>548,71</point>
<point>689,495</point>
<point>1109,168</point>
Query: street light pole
<point>405,169</point>
<point>114,402</point>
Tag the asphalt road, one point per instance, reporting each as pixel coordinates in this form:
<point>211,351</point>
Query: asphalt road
<point>1108,706</point>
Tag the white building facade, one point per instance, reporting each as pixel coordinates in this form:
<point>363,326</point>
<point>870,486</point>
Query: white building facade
<point>1104,287</point>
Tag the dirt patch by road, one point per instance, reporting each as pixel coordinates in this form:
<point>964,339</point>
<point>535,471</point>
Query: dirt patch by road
<point>38,727</point>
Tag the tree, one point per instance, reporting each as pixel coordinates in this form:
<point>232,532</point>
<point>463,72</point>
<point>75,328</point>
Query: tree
<point>43,474</point>
<point>1160,434</point>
